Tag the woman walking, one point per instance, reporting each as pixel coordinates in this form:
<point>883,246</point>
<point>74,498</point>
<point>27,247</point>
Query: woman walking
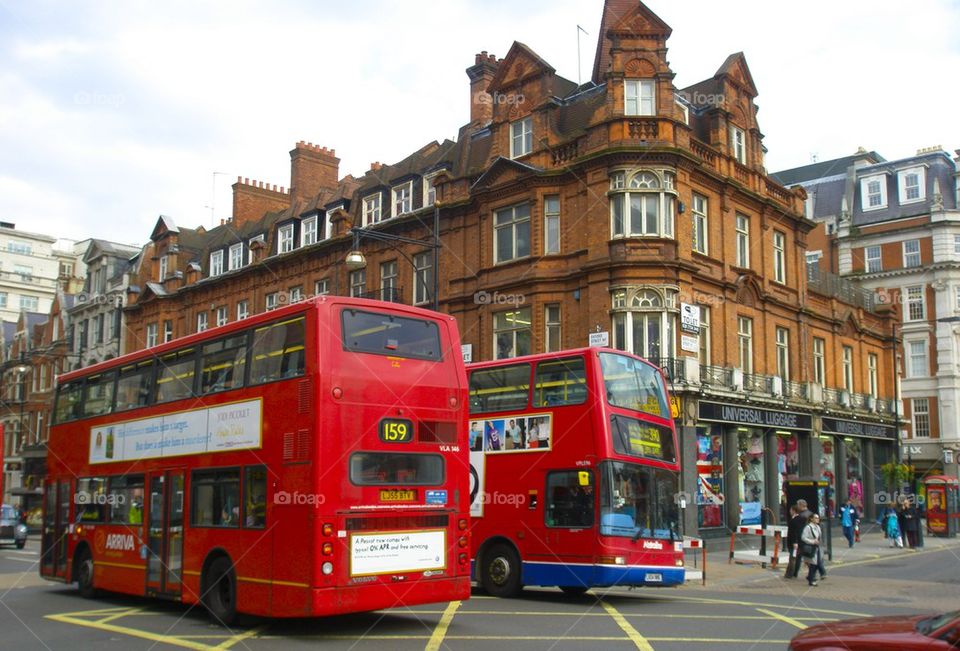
<point>810,548</point>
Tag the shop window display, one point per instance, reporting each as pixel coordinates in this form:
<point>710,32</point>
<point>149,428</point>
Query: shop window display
<point>750,475</point>
<point>827,466</point>
<point>788,466</point>
<point>854,468</point>
<point>710,476</point>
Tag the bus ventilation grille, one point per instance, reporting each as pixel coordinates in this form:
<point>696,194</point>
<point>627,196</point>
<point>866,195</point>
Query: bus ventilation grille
<point>296,446</point>
<point>305,395</point>
<point>382,523</point>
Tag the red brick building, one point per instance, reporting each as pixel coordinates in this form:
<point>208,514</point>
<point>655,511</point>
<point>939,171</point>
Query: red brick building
<point>625,205</point>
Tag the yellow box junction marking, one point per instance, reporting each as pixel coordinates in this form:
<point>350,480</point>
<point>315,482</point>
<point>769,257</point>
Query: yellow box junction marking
<point>783,618</point>
<point>634,635</point>
<point>436,640</point>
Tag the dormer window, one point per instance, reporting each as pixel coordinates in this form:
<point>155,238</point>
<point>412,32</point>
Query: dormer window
<point>521,137</point>
<point>285,239</point>
<point>639,97</point>
<point>402,199</point>
<point>371,209</point>
<point>873,192</point>
<point>255,238</point>
<point>912,185</point>
<point>163,268</point>
<point>429,191</point>
<point>308,231</point>
<point>236,257</point>
<point>216,263</point>
<point>738,144</point>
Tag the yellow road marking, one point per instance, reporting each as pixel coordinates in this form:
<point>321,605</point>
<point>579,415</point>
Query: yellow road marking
<point>746,603</point>
<point>436,640</point>
<point>783,618</point>
<point>110,618</point>
<point>124,630</point>
<point>538,638</point>
<point>917,552</point>
<point>632,633</point>
<point>545,613</point>
<point>239,637</point>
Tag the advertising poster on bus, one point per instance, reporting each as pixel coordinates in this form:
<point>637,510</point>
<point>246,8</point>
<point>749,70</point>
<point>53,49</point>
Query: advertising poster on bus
<point>234,426</point>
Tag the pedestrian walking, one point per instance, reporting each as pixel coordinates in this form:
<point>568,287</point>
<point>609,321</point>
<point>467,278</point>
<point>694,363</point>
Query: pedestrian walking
<point>810,548</point>
<point>797,523</point>
<point>793,542</point>
<point>849,519</point>
<point>911,522</point>
<point>892,528</point>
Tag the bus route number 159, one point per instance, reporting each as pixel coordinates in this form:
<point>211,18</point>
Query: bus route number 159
<point>396,430</point>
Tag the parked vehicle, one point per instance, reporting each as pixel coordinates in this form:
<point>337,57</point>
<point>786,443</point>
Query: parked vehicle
<point>12,531</point>
<point>897,633</point>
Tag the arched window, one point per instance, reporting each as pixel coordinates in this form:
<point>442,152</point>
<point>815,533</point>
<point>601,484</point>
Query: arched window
<point>642,203</point>
<point>644,321</point>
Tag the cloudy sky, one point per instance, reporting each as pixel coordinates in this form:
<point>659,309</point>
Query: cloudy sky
<point>112,113</point>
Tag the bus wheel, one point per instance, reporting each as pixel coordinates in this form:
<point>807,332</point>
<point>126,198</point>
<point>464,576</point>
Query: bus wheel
<point>85,575</point>
<point>574,590</point>
<point>21,544</point>
<point>220,591</point>
<point>500,573</point>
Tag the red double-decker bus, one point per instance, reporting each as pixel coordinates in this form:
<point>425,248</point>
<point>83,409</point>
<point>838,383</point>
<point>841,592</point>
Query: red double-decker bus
<point>574,473</point>
<point>306,461</point>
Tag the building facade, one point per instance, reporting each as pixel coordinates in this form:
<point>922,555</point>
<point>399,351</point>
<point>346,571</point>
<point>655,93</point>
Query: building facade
<point>624,206</point>
<point>894,227</point>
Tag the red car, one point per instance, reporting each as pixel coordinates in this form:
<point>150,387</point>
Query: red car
<point>898,633</point>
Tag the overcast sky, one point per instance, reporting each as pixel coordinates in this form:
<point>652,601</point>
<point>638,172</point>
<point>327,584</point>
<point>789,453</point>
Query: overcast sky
<point>112,113</point>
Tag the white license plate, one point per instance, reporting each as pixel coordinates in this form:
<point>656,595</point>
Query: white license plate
<point>655,578</point>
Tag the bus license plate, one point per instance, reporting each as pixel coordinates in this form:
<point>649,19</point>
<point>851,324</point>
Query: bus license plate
<point>654,578</point>
<point>398,496</point>
<point>396,430</point>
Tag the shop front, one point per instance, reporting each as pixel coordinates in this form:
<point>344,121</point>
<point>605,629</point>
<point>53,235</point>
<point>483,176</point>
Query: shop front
<point>852,453</point>
<point>744,456</point>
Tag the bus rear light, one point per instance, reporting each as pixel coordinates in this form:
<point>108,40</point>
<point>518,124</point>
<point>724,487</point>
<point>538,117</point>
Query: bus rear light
<point>463,558</point>
<point>612,560</point>
<point>327,568</point>
<point>463,541</point>
<point>337,392</point>
<point>454,402</point>
<point>462,524</point>
<point>327,549</point>
<point>327,529</point>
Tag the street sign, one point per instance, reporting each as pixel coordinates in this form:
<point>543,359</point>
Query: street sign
<point>690,344</point>
<point>690,318</point>
<point>599,338</point>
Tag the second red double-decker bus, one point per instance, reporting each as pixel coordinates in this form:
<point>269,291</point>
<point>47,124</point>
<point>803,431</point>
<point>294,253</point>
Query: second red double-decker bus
<point>575,473</point>
<point>305,461</point>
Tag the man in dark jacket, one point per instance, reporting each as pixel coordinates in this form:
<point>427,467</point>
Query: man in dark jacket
<point>794,529</point>
<point>911,521</point>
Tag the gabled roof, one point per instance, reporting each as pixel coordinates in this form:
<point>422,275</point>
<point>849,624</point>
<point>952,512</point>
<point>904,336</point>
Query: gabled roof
<point>98,247</point>
<point>498,167</point>
<point>619,16</point>
<point>520,63</point>
<point>164,225</point>
<point>736,69</point>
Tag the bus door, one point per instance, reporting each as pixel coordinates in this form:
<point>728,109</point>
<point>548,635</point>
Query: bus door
<point>165,533</point>
<point>570,514</point>
<point>56,520</point>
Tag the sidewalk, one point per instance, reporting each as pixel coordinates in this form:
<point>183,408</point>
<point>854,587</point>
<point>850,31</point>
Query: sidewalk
<point>872,546</point>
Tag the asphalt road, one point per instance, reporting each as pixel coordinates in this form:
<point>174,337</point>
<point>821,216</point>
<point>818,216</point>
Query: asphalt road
<point>758,614</point>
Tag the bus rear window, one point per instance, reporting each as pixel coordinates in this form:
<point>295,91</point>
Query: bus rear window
<point>388,468</point>
<point>387,334</point>
<point>499,389</point>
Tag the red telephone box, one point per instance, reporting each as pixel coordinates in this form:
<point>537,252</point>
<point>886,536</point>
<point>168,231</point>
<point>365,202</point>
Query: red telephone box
<point>943,505</point>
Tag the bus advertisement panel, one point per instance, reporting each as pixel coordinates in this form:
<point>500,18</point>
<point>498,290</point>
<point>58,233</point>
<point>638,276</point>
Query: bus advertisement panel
<point>306,461</point>
<point>575,473</point>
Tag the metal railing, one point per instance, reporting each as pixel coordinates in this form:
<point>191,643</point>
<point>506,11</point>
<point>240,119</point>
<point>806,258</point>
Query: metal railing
<point>795,390</point>
<point>847,291</point>
<point>756,383</point>
<point>716,376</point>
<point>673,368</point>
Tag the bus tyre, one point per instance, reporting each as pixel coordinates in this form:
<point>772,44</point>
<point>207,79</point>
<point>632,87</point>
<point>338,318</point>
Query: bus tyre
<point>85,575</point>
<point>574,590</point>
<point>500,572</point>
<point>220,591</point>
<point>21,544</point>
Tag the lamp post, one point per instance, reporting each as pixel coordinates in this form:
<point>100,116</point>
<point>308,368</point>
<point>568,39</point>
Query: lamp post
<point>22,372</point>
<point>355,259</point>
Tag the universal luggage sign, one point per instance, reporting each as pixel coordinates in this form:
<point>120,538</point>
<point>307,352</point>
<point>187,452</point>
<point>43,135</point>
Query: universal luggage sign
<point>741,415</point>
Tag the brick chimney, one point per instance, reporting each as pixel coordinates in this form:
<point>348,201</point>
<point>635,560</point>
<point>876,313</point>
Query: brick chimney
<point>481,74</point>
<point>252,199</point>
<point>312,168</point>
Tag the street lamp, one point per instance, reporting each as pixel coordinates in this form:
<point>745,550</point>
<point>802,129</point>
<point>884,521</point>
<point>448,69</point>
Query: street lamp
<point>355,259</point>
<point>22,372</point>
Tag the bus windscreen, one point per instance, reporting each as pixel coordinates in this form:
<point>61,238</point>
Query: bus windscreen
<point>631,384</point>
<point>388,334</point>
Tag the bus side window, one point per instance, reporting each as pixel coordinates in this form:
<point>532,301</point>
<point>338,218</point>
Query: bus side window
<point>255,497</point>
<point>278,351</point>
<point>68,401</point>
<point>91,500</point>
<point>499,389</point>
<point>175,377</point>
<point>223,364</point>
<point>560,382</point>
<point>125,499</point>
<point>570,499</point>
<point>98,394</point>
<point>133,387</point>
<point>216,498</point>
